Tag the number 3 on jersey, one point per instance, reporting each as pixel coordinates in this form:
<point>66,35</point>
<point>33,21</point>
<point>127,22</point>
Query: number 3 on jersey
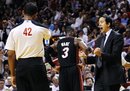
<point>27,32</point>
<point>65,51</point>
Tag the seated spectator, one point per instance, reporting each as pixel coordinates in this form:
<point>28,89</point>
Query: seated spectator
<point>127,37</point>
<point>3,87</point>
<point>8,85</point>
<point>63,31</point>
<point>78,21</point>
<point>2,57</point>
<point>56,31</point>
<point>55,83</point>
<point>118,26</point>
<point>2,81</point>
<point>89,84</point>
<point>6,72</point>
<point>127,57</point>
<point>83,36</point>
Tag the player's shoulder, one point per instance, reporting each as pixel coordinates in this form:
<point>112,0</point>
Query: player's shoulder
<point>32,21</point>
<point>18,24</point>
<point>38,24</point>
<point>35,23</point>
<point>78,39</point>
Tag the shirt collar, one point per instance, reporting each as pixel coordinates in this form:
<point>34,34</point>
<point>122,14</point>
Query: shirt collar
<point>108,32</point>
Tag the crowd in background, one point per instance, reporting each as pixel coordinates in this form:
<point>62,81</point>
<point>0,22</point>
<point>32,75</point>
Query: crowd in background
<point>57,15</point>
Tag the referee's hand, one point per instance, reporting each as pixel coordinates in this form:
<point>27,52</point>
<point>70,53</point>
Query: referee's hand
<point>13,81</point>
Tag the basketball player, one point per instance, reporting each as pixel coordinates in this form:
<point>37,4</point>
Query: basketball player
<point>70,73</point>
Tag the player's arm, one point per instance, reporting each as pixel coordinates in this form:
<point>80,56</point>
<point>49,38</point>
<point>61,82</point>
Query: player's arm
<point>11,52</point>
<point>47,34</point>
<point>51,52</point>
<point>52,49</point>
<point>54,45</point>
<point>82,46</point>
<point>11,61</point>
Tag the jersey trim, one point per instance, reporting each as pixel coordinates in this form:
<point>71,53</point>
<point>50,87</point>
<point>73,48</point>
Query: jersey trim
<point>38,24</point>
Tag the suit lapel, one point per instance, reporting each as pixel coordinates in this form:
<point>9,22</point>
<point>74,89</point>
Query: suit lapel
<point>109,39</point>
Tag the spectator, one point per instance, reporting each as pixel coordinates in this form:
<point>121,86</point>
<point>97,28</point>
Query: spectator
<point>127,38</point>
<point>83,36</point>
<point>56,31</point>
<point>2,81</point>
<point>89,83</point>
<point>55,83</point>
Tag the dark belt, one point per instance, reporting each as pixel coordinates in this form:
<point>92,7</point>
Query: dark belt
<point>30,61</point>
<point>30,58</point>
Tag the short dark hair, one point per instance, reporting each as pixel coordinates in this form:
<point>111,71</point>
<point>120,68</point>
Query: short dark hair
<point>108,20</point>
<point>30,8</point>
<point>70,31</point>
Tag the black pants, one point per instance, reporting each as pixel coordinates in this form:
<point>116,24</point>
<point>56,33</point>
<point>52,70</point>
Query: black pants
<point>100,86</point>
<point>70,79</point>
<point>115,87</point>
<point>31,75</point>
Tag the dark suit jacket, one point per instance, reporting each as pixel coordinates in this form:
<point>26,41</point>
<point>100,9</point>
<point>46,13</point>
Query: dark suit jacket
<point>112,70</point>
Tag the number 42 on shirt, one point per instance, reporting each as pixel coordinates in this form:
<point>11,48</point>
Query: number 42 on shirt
<point>27,32</point>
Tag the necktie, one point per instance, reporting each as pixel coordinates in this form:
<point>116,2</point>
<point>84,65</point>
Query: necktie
<point>102,42</point>
<point>99,60</point>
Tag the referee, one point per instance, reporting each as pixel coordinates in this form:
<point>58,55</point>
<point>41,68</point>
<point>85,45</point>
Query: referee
<point>25,44</point>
